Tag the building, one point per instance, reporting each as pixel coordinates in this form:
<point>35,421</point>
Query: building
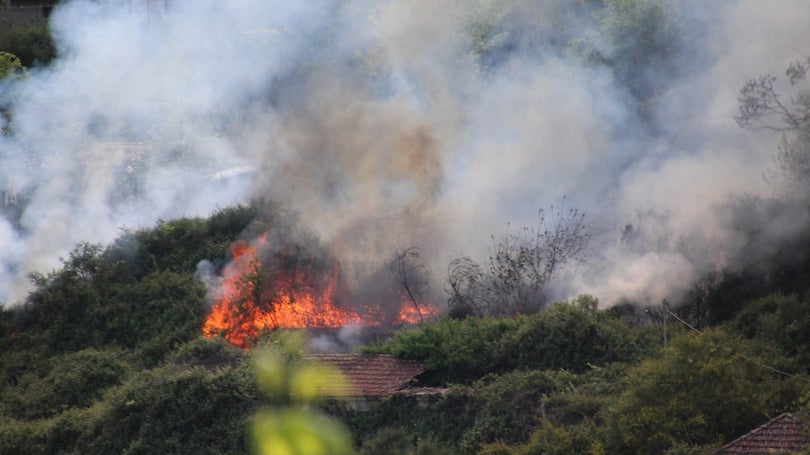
<point>785,433</point>
<point>373,377</point>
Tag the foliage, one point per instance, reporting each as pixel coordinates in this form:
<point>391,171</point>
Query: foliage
<point>10,65</point>
<point>163,411</point>
<point>138,293</point>
<point>762,105</point>
<point>295,429</point>
<point>702,392</point>
<point>644,36</point>
<point>73,380</point>
<point>90,303</point>
<point>457,351</point>
<point>568,336</point>
<point>583,398</point>
<point>507,407</point>
<point>775,257</point>
<point>394,441</point>
<point>32,43</point>
<point>640,41</point>
<point>550,439</point>
<point>179,245</point>
<point>210,353</point>
<point>781,320</point>
<point>106,357</point>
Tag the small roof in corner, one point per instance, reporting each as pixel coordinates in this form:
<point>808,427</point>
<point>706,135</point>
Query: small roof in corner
<point>785,433</point>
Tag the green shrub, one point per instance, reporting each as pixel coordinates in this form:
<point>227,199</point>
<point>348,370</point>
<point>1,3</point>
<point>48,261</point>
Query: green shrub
<point>782,321</point>
<point>454,351</point>
<point>74,380</point>
<point>507,407</point>
<point>168,410</point>
<point>709,388</point>
<point>391,441</point>
<point>10,65</point>
<point>568,336</point>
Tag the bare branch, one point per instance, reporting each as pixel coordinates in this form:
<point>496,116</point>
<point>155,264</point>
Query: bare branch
<point>520,267</point>
<point>411,273</point>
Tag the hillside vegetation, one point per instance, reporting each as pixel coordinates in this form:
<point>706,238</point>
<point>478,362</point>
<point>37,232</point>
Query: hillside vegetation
<point>107,356</point>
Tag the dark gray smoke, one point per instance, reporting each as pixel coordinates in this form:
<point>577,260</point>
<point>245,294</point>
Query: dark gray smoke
<point>430,122</point>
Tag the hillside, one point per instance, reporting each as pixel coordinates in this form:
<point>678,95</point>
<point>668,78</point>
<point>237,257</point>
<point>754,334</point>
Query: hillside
<point>127,369</point>
<point>575,226</point>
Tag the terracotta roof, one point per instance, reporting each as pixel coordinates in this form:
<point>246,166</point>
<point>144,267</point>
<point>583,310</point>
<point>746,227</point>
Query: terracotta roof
<point>370,375</point>
<point>782,434</point>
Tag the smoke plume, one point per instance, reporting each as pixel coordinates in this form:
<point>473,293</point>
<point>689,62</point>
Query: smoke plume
<point>430,123</point>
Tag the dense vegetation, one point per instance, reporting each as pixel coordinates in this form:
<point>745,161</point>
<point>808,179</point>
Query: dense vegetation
<point>106,354</point>
<point>32,43</point>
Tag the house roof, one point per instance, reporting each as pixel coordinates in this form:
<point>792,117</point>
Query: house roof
<point>782,434</point>
<point>370,375</point>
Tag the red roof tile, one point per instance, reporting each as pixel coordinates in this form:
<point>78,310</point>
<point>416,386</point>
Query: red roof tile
<point>782,434</point>
<point>371,375</point>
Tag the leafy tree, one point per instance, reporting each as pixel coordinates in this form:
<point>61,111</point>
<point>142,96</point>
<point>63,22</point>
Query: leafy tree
<point>74,380</point>
<point>65,304</point>
<point>10,65</point>
<point>170,410</point>
<point>761,105</point>
<point>459,351</point>
<point>781,320</point>
<point>583,398</point>
<point>568,336</point>
<point>708,389</point>
<point>550,439</point>
<point>507,407</point>
<point>645,36</point>
<point>571,336</point>
<point>154,315</point>
<point>640,41</point>
<point>211,353</point>
<point>31,42</point>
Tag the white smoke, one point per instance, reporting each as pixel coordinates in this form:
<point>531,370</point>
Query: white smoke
<point>384,123</point>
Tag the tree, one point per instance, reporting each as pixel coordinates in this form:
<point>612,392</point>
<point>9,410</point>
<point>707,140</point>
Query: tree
<point>641,42</point>
<point>411,273</point>
<point>762,106</point>
<point>709,388</point>
<point>465,280</point>
<point>10,65</point>
<point>31,42</point>
<point>520,266</point>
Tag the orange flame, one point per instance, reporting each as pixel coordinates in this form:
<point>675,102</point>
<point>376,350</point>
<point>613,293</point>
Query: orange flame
<point>249,305</point>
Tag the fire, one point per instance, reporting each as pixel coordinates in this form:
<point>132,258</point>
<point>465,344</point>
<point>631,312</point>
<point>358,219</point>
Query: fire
<point>254,299</point>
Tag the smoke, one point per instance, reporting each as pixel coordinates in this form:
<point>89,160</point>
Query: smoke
<point>431,122</point>
<point>333,342</point>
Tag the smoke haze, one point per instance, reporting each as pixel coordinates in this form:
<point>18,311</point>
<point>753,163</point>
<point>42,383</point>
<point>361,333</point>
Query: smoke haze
<point>431,122</point>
